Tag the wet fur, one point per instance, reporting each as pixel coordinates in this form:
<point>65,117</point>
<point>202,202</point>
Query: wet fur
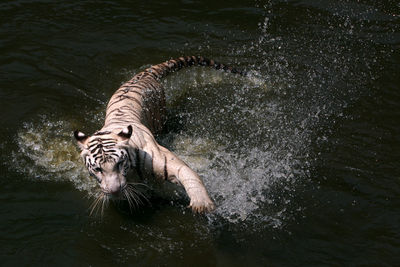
<point>134,113</point>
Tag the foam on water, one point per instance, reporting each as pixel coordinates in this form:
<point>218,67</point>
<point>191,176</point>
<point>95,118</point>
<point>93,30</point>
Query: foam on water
<point>46,152</point>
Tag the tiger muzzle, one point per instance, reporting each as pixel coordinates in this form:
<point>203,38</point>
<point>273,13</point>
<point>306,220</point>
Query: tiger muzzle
<point>113,185</point>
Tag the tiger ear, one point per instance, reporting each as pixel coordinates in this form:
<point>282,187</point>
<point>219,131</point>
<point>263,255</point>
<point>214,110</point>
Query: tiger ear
<point>81,138</point>
<point>126,133</point>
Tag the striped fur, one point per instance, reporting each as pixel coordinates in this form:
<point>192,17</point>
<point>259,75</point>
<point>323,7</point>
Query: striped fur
<point>134,113</point>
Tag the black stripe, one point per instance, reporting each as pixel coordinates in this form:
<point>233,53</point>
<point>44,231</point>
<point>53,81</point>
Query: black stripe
<point>152,165</point>
<point>115,101</point>
<point>95,150</point>
<point>132,98</point>
<point>105,141</point>
<point>102,140</point>
<point>129,158</point>
<point>138,170</point>
<point>165,168</point>
<point>144,160</point>
<point>111,112</point>
<point>101,133</point>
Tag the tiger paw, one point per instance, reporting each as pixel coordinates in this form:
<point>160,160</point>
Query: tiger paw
<point>201,205</point>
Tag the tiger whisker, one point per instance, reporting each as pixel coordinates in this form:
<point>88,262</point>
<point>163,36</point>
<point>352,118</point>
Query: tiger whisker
<point>95,204</point>
<point>141,184</point>
<point>137,197</point>
<point>104,203</point>
<point>132,195</point>
<point>141,196</point>
<point>127,196</point>
<point>138,193</point>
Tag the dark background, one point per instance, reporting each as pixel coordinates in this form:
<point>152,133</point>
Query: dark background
<point>302,159</point>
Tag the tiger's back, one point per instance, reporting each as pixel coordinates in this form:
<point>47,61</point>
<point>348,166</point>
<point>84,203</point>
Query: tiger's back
<point>139,100</point>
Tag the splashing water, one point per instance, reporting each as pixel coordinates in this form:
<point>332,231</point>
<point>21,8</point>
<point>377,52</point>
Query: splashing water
<point>46,152</point>
<point>249,138</point>
<point>237,138</point>
<point>229,130</point>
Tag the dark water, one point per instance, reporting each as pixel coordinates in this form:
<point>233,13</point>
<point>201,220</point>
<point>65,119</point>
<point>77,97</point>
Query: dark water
<point>302,159</point>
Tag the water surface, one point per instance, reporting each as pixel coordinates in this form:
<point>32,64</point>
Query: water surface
<point>301,158</point>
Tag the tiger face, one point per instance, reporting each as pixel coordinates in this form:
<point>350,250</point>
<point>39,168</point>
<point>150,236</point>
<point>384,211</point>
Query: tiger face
<point>107,158</point>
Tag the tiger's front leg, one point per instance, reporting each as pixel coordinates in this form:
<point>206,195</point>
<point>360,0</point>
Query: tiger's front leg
<point>167,165</point>
<point>178,171</point>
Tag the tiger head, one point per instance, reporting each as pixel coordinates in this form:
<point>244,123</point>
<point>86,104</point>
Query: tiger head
<point>107,158</point>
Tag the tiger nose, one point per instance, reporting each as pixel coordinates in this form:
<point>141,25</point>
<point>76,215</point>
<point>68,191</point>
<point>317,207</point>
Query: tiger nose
<point>114,190</point>
<point>112,187</point>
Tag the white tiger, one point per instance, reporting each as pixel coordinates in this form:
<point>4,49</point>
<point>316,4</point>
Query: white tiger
<point>126,142</point>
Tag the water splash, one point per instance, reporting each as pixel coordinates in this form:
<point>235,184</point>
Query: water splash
<point>237,173</point>
<point>249,138</point>
<point>236,135</point>
<point>46,152</point>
